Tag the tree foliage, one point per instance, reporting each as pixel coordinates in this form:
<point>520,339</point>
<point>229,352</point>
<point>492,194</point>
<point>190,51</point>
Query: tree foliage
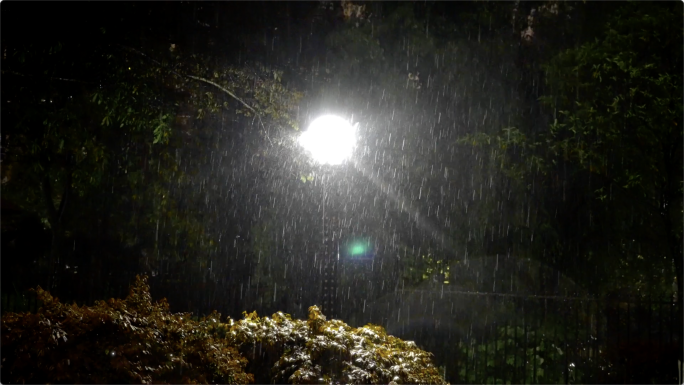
<point>111,132</point>
<point>617,106</point>
<point>605,172</point>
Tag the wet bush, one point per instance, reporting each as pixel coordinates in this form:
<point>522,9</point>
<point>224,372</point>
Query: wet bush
<point>116,341</point>
<point>134,340</point>
<point>329,351</point>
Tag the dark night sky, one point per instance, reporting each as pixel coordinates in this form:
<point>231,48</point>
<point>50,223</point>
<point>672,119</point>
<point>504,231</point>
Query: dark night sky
<point>50,20</point>
<point>168,20</point>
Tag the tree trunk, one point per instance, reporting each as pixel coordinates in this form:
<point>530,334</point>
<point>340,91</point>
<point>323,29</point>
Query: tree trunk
<point>56,220</point>
<point>676,251</point>
<point>55,248</point>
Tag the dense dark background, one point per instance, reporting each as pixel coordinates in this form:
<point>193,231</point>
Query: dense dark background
<point>457,180</point>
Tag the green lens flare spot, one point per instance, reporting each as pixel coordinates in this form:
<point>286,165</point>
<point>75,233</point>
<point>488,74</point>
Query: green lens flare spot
<point>358,249</point>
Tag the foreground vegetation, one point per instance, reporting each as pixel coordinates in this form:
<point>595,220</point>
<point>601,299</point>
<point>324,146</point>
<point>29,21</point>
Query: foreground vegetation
<point>135,340</point>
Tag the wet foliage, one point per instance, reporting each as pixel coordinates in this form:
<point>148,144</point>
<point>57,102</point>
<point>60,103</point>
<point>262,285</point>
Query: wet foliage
<point>330,351</point>
<point>135,340</point>
<point>131,340</point>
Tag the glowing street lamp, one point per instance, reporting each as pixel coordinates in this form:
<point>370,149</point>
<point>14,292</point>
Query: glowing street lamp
<point>329,139</point>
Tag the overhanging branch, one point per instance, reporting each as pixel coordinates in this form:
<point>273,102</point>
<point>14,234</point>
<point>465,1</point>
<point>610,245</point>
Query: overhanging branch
<point>10,72</point>
<point>220,87</point>
<point>224,90</point>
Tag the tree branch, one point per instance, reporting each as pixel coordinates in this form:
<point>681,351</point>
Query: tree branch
<point>224,90</point>
<point>195,78</point>
<point>148,58</point>
<point>220,87</point>
<point>10,72</point>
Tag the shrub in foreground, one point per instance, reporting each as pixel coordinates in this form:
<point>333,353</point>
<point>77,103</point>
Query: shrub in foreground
<point>137,341</point>
<point>329,351</point>
<point>118,341</point>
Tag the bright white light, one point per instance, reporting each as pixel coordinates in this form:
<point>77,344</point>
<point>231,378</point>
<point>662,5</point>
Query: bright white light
<point>330,139</point>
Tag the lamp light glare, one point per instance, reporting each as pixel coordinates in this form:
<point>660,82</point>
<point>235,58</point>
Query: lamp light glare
<point>329,139</point>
